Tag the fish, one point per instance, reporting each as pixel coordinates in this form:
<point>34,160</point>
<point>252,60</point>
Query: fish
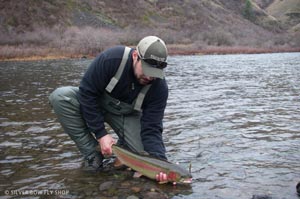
<point>149,166</point>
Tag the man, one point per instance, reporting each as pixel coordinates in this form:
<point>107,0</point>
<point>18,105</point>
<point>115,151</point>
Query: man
<point>125,88</point>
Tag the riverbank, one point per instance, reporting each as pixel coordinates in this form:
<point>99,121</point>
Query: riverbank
<point>220,50</point>
<point>33,54</point>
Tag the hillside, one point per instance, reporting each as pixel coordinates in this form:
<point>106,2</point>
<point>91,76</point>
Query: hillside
<point>288,12</point>
<point>87,27</point>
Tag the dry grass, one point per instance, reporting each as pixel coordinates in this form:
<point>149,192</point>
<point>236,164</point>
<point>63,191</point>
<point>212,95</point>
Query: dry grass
<point>29,54</point>
<point>279,7</point>
<point>44,29</point>
<point>77,42</point>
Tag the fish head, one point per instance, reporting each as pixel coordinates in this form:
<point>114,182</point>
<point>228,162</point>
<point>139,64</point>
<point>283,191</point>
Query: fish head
<point>179,177</point>
<point>185,179</point>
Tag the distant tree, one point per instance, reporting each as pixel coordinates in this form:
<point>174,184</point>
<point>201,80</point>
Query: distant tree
<point>248,10</point>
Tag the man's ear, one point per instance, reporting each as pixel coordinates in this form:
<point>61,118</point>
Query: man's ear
<point>134,54</point>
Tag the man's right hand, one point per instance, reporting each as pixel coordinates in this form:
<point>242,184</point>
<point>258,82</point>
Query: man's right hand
<point>106,143</point>
<point>161,177</point>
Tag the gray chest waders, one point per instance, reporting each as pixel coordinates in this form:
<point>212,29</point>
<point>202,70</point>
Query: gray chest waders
<point>116,106</point>
<point>124,118</point>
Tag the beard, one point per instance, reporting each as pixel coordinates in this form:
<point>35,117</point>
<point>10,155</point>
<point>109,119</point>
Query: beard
<point>144,81</point>
<point>141,78</point>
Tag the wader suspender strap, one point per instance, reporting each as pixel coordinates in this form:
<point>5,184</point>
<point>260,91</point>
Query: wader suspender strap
<point>113,82</point>
<point>140,98</point>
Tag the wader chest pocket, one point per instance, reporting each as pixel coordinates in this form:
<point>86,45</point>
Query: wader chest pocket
<point>115,105</point>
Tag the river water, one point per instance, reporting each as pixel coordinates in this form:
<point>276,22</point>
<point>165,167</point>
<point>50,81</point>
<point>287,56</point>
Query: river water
<point>235,118</point>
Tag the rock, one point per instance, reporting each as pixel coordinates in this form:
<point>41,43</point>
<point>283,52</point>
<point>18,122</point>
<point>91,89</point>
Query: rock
<point>88,192</point>
<point>125,184</point>
<point>132,197</point>
<point>152,189</point>
<point>298,188</point>
<point>261,197</point>
<point>154,195</point>
<point>105,186</point>
<point>136,189</point>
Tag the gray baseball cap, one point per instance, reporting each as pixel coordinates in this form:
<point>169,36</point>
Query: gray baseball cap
<point>153,53</point>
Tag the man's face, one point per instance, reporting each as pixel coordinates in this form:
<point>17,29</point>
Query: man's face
<point>138,71</point>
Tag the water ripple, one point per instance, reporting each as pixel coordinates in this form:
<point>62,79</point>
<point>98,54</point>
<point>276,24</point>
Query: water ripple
<point>235,118</point>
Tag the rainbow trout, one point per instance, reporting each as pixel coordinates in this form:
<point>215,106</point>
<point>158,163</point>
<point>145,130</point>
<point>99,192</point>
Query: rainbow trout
<point>149,166</point>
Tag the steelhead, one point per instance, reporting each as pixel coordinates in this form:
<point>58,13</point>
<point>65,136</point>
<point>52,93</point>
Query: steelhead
<point>150,166</point>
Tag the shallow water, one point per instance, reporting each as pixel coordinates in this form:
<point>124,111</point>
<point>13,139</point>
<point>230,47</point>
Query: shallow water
<point>236,118</point>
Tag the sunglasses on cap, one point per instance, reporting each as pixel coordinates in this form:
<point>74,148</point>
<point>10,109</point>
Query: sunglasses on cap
<point>154,63</point>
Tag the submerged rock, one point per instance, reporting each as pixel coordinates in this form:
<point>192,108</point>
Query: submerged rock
<point>132,197</point>
<point>136,189</point>
<point>154,195</point>
<point>261,197</point>
<point>105,186</point>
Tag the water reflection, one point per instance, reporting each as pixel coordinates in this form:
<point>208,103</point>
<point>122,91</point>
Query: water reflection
<point>236,118</point>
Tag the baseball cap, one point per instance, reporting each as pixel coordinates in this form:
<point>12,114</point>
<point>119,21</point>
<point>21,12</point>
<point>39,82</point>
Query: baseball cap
<point>153,53</point>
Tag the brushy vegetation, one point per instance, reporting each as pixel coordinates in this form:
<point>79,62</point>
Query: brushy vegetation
<point>88,41</point>
<point>76,28</point>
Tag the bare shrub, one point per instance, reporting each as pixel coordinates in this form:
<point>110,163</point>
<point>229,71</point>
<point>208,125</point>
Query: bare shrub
<point>219,37</point>
<point>132,35</point>
<point>295,39</point>
<point>22,51</point>
<point>39,36</point>
<point>86,40</point>
<point>73,40</point>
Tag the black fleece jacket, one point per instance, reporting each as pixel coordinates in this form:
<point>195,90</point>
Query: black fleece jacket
<point>93,85</point>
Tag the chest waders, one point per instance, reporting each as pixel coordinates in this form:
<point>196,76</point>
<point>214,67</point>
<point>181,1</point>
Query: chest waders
<point>124,118</point>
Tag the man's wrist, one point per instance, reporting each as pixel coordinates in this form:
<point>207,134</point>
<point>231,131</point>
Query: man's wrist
<point>100,134</point>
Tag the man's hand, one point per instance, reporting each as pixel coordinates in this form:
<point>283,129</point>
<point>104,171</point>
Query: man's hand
<point>161,177</point>
<point>106,143</point>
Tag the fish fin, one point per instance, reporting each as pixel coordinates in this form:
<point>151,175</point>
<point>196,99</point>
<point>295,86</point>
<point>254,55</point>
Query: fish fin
<point>144,153</point>
<point>137,174</point>
<point>118,164</point>
<point>190,167</point>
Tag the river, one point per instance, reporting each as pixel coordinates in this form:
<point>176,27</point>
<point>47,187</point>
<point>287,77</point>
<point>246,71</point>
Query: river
<point>235,118</point>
